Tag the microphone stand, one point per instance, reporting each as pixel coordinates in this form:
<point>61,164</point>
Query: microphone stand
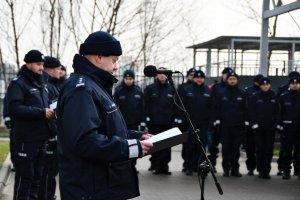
<point>205,167</point>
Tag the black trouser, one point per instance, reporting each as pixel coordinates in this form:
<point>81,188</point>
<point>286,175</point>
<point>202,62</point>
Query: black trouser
<point>159,160</point>
<point>281,152</point>
<point>12,146</point>
<point>264,140</point>
<point>193,148</point>
<point>48,181</point>
<point>214,146</point>
<point>250,149</point>
<point>231,138</point>
<point>291,146</point>
<point>29,165</point>
<point>183,150</point>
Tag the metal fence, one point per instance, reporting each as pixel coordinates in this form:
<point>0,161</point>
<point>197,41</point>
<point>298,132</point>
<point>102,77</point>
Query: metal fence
<point>143,81</point>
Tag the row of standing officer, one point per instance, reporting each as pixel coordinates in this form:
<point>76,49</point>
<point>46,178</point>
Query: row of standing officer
<point>154,108</point>
<point>32,125</point>
<point>265,116</point>
<point>219,104</point>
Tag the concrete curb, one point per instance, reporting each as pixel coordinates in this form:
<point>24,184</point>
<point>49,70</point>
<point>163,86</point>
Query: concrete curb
<point>4,172</point>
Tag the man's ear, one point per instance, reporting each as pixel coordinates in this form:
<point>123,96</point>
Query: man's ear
<point>98,59</point>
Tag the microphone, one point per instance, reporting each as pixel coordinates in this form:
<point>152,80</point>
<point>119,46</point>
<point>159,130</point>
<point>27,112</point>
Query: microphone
<point>151,71</point>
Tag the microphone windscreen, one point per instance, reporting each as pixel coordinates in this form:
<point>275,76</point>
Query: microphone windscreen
<point>150,71</point>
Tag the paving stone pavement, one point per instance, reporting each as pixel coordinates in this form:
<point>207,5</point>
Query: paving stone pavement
<point>178,186</point>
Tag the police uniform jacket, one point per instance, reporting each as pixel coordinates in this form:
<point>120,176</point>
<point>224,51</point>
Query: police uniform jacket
<point>290,109</point>
<point>250,91</point>
<point>7,118</point>
<point>93,141</point>
<point>131,102</point>
<point>53,88</point>
<point>183,86</point>
<point>159,105</point>
<point>282,89</point>
<point>27,99</point>
<point>218,87</point>
<point>230,107</point>
<point>264,110</point>
<point>198,102</point>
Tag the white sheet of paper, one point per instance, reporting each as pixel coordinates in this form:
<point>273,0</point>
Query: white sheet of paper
<point>53,105</point>
<point>164,135</point>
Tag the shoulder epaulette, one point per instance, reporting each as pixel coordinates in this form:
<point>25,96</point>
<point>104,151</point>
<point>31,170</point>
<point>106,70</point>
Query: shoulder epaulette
<point>80,82</point>
<point>16,78</point>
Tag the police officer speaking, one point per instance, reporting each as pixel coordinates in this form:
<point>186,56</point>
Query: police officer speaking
<point>28,105</point>
<point>94,145</point>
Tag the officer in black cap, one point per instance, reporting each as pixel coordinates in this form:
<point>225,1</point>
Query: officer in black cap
<point>94,144</point>
<point>197,99</point>
<point>63,76</point>
<point>249,143</point>
<point>229,113</point>
<point>48,183</point>
<point>181,89</point>
<point>264,120</point>
<point>27,100</point>
<point>160,114</point>
<point>285,87</point>
<point>290,117</point>
<point>130,100</point>
<point>282,89</point>
<point>215,134</point>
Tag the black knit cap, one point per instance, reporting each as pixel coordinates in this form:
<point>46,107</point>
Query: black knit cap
<point>227,70</point>
<point>264,80</point>
<point>191,70</point>
<point>257,78</point>
<point>101,43</point>
<point>128,73</point>
<point>294,74</point>
<point>34,56</point>
<point>199,73</point>
<point>51,62</point>
<point>232,74</point>
<point>294,80</point>
<point>63,68</point>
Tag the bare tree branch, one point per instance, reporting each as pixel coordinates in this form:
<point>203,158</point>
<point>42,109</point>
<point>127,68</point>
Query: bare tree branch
<point>73,25</point>
<point>11,5</point>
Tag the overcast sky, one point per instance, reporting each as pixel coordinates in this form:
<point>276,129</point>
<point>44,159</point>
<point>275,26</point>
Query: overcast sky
<point>207,19</point>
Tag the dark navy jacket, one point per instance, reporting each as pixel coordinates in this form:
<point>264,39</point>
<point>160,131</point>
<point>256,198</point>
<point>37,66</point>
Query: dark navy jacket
<point>230,107</point>
<point>264,110</point>
<point>7,118</point>
<point>159,105</point>
<point>218,87</point>
<point>93,148</point>
<point>250,91</point>
<point>198,102</point>
<point>131,103</point>
<point>290,109</point>
<point>27,99</point>
<point>181,88</point>
<point>53,87</point>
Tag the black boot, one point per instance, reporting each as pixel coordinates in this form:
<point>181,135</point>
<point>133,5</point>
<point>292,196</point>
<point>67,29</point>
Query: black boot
<point>236,173</point>
<point>286,175</point>
<point>226,173</point>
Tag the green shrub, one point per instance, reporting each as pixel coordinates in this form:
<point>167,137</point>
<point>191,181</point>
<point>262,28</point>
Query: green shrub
<point>4,149</point>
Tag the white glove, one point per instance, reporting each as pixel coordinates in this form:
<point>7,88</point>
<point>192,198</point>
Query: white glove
<point>255,126</point>
<point>217,122</point>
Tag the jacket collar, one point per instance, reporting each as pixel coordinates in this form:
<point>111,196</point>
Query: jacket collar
<point>83,66</point>
<point>35,79</point>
